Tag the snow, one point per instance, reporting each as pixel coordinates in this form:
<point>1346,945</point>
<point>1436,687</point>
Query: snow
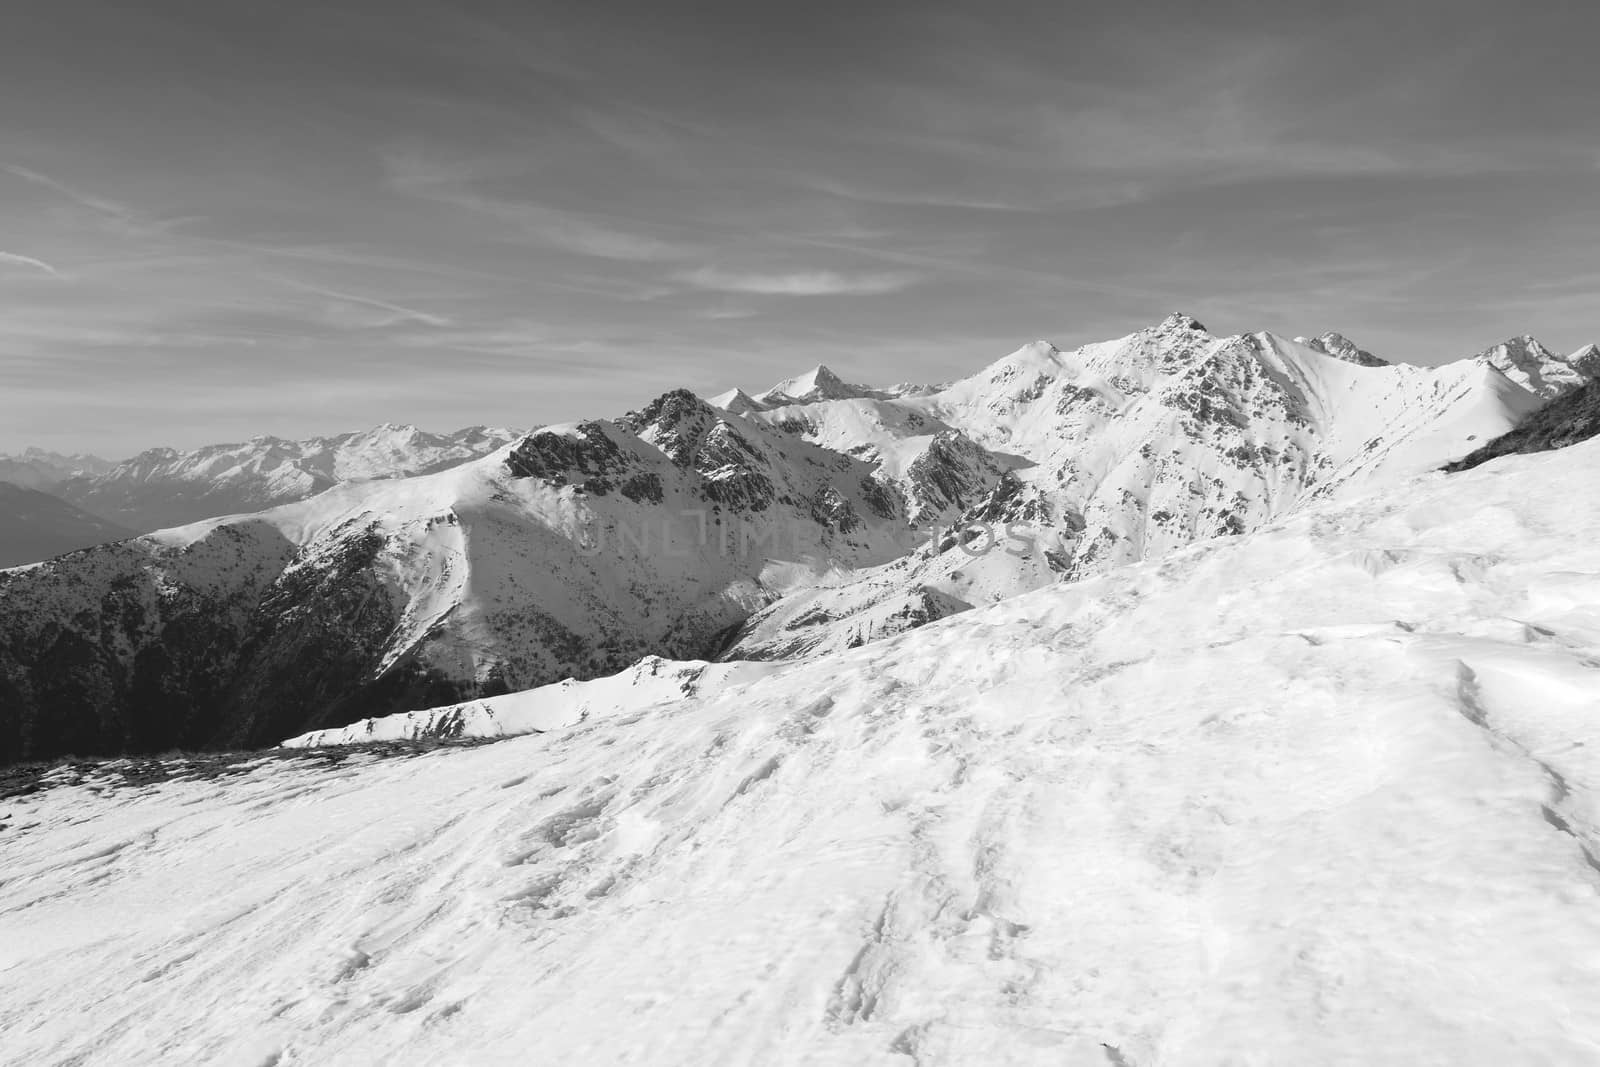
<point>649,682</point>
<point>1322,794</point>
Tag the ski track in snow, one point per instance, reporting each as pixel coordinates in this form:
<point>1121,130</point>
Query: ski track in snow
<point>1325,794</point>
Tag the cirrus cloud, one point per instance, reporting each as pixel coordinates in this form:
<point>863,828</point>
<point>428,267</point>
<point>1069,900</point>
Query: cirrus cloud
<point>800,283</point>
<point>28,261</point>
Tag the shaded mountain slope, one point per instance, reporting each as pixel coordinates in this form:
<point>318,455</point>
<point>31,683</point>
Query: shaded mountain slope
<point>1566,420</point>
<point>35,526</point>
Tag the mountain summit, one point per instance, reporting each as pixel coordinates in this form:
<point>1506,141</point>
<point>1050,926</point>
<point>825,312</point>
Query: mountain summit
<point>1341,347</point>
<point>1537,369</point>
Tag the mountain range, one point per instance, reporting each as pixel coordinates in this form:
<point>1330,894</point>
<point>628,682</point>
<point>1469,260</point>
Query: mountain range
<point>817,515</point>
<point>36,468</point>
<point>165,487</point>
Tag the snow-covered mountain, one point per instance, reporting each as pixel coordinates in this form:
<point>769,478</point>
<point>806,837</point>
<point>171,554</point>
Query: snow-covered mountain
<point>1537,369</point>
<point>1123,451</point>
<point>1323,794</point>
<point>35,526</point>
<point>164,487</point>
<point>36,468</point>
<point>1340,346</point>
<point>692,532</point>
<point>575,551</point>
<point>815,385</point>
<point>1586,360</point>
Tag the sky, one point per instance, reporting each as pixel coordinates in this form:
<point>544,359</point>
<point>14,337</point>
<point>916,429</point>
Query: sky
<point>220,219</point>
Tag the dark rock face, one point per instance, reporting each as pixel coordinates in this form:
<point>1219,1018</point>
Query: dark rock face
<point>587,455</point>
<point>1566,420</point>
<point>234,640</point>
<point>952,474</point>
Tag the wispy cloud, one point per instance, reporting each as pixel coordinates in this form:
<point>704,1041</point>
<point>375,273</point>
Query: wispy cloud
<point>100,204</point>
<point>911,197</point>
<point>723,314</point>
<point>397,312</point>
<point>112,214</point>
<point>800,283</point>
<point>583,233</point>
<point>29,261</point>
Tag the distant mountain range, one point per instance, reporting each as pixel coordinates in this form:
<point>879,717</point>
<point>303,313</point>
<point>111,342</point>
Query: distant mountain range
<point>815,515</point>
<point>36,468</point>
<point>164,487</point>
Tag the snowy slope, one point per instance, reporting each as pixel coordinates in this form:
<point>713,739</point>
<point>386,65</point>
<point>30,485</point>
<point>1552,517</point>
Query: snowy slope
<point>164,487</point>
<point>1571,417</point>
<point>1324,794</point>
<point>649,682</point>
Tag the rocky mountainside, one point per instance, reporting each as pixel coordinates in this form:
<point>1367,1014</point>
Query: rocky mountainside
<point>35,468</point>
<point>164,487</point>
<point>819,516</point>
<point>1572,417</point>
<point>1586,360</point>
<point>36,526</point>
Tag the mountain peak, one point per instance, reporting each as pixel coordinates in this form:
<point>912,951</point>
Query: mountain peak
<point>1180,321</point>
<point>736,402</point>
<point>1339,346</point>
<point>818,383</point>
<point>1533,366</point>
<point>1586,360</point>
